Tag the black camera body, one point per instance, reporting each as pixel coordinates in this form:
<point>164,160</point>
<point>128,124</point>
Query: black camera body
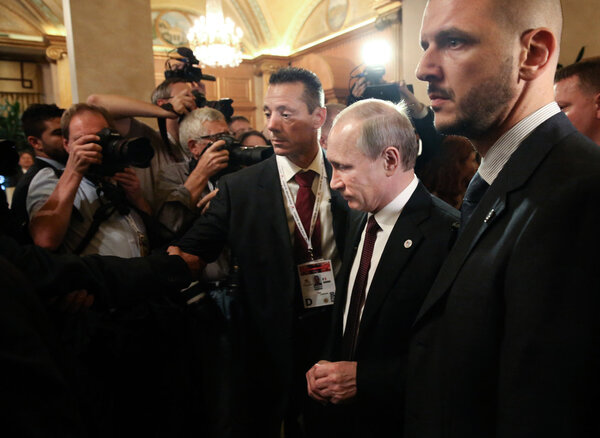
<point>240,156</point>
<point>223,105</point>
<point>189,73</point>
<point>119,152</point>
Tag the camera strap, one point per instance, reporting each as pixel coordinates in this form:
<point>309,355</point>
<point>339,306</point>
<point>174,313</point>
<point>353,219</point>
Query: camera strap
<point>100,215</point>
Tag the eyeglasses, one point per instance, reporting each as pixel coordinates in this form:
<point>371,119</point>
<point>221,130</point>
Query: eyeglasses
<point>214,137</point>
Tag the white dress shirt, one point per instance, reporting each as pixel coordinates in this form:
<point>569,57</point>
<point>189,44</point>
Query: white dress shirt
<point>386,219</point>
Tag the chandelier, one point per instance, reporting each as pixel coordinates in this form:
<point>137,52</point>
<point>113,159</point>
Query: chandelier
<point>214,39</point>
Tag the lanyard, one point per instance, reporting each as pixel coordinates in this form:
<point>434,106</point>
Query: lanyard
<point>295,215</point>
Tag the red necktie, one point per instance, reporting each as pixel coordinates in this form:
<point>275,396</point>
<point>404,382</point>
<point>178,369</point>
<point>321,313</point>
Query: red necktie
<point>305,202</point>
<point>359,291</point>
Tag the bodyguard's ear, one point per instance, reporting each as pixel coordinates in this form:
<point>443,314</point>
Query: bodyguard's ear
<point>319,114</point>
<point>537,49</point>
<point>597,105</point>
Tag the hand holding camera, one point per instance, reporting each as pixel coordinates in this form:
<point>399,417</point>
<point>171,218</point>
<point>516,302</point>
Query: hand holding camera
<point>83,153</point>
<point>214,159</point>
<point>183,102</point>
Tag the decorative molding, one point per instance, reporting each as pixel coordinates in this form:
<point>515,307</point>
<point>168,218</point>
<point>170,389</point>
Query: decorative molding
<point>261,19</point>
<point>383,7</point>
<point>269,64</point>
<point>356,33</point>
<point>57,47</point>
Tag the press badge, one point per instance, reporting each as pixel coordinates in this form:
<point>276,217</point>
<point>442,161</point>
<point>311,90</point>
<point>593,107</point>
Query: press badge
<point>317,283</point>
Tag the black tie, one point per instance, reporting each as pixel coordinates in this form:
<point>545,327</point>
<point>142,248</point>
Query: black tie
<point>475,191</point>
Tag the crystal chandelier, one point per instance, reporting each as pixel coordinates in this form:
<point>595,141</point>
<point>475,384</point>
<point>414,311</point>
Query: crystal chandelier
<point>214,39</point>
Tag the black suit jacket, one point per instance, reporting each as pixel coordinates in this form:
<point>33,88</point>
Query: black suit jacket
<point>507,342</point>
<point>402,279</point>
<point>249,216</point>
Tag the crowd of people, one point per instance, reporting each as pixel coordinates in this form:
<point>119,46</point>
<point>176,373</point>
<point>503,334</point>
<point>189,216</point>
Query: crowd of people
<point>364,269</point>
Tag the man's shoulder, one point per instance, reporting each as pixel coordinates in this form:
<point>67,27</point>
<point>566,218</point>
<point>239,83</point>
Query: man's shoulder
<point>178,168</point>
<point>254,174</point>
<point>444,210</point>
<point>47,175</point>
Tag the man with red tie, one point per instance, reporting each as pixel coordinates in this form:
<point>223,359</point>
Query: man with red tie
<point>283,226</point>
<point>398,245</point>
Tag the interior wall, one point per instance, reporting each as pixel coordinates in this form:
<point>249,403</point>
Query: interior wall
<point>581,18</point>
<point>110,53</point>
<point>344,54</point>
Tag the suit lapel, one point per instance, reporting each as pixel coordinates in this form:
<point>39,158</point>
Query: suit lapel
<point>339,207</point>
<point>270,203</point>
<point>357,221</point>
<point>519,168</point>
<point>400,247</point>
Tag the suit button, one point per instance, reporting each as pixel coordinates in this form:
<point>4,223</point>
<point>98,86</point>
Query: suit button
<point>407,243</point>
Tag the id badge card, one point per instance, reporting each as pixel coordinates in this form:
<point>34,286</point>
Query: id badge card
<point>317,283</point>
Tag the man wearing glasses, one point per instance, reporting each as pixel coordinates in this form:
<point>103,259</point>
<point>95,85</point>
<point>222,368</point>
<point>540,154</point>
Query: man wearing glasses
<point>182,187</point>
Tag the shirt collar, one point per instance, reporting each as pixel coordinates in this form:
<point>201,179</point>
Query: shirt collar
<point>290,169</point>
<point>386,217</point>
<point>507,144</point>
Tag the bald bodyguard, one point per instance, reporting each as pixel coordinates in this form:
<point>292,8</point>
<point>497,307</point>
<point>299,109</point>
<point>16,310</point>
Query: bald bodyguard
<point>507,341</point>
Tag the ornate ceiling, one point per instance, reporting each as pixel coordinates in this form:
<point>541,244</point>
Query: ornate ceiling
<point>278,27</point>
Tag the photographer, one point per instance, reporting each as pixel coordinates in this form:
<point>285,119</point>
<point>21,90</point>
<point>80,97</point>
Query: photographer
<point>63,205</point>
<point>176,94</point>
<point>181,186</point>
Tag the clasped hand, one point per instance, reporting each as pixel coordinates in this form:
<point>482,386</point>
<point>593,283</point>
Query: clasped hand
<point>332,382</point>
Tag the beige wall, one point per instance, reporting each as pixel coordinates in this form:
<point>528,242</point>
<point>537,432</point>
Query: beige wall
<point>110,47</point>
<point>581,29</point>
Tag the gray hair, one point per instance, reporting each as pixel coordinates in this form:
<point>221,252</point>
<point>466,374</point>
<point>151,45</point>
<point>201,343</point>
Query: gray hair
<point>192,125</point>
<point>383,124</point>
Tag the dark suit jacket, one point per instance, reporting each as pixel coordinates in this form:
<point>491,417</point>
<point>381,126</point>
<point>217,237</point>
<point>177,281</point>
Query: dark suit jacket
<point>507,342</point>
<point>280,339</point>
<point>400,283</point>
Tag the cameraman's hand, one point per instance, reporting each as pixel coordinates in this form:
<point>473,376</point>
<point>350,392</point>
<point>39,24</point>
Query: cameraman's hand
<point>204,203</point>
<point>359,87</point>
<point>213,160</point>
<point>133,189</point>
<point>183,102</point>
<point>411,100</point>
<point>84,152</point>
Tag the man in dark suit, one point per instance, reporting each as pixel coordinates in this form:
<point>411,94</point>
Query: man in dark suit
<point>373,149</point>
<point>507,342</point>
<point>264,213</point>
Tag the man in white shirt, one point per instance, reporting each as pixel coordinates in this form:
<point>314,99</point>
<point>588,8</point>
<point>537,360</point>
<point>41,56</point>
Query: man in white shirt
<point>507,342</point>
<point>399,243</point>
<point>62,205</point>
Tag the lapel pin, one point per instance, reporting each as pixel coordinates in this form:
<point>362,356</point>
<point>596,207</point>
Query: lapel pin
<point>407,243</point>
<point>490,216</point>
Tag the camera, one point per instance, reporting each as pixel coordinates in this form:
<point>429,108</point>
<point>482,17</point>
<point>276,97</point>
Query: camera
<point>186,69</point>
<point>241,156</point>
<point>377,88</point>
<point>224,105</point>
<point>119,152</point>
